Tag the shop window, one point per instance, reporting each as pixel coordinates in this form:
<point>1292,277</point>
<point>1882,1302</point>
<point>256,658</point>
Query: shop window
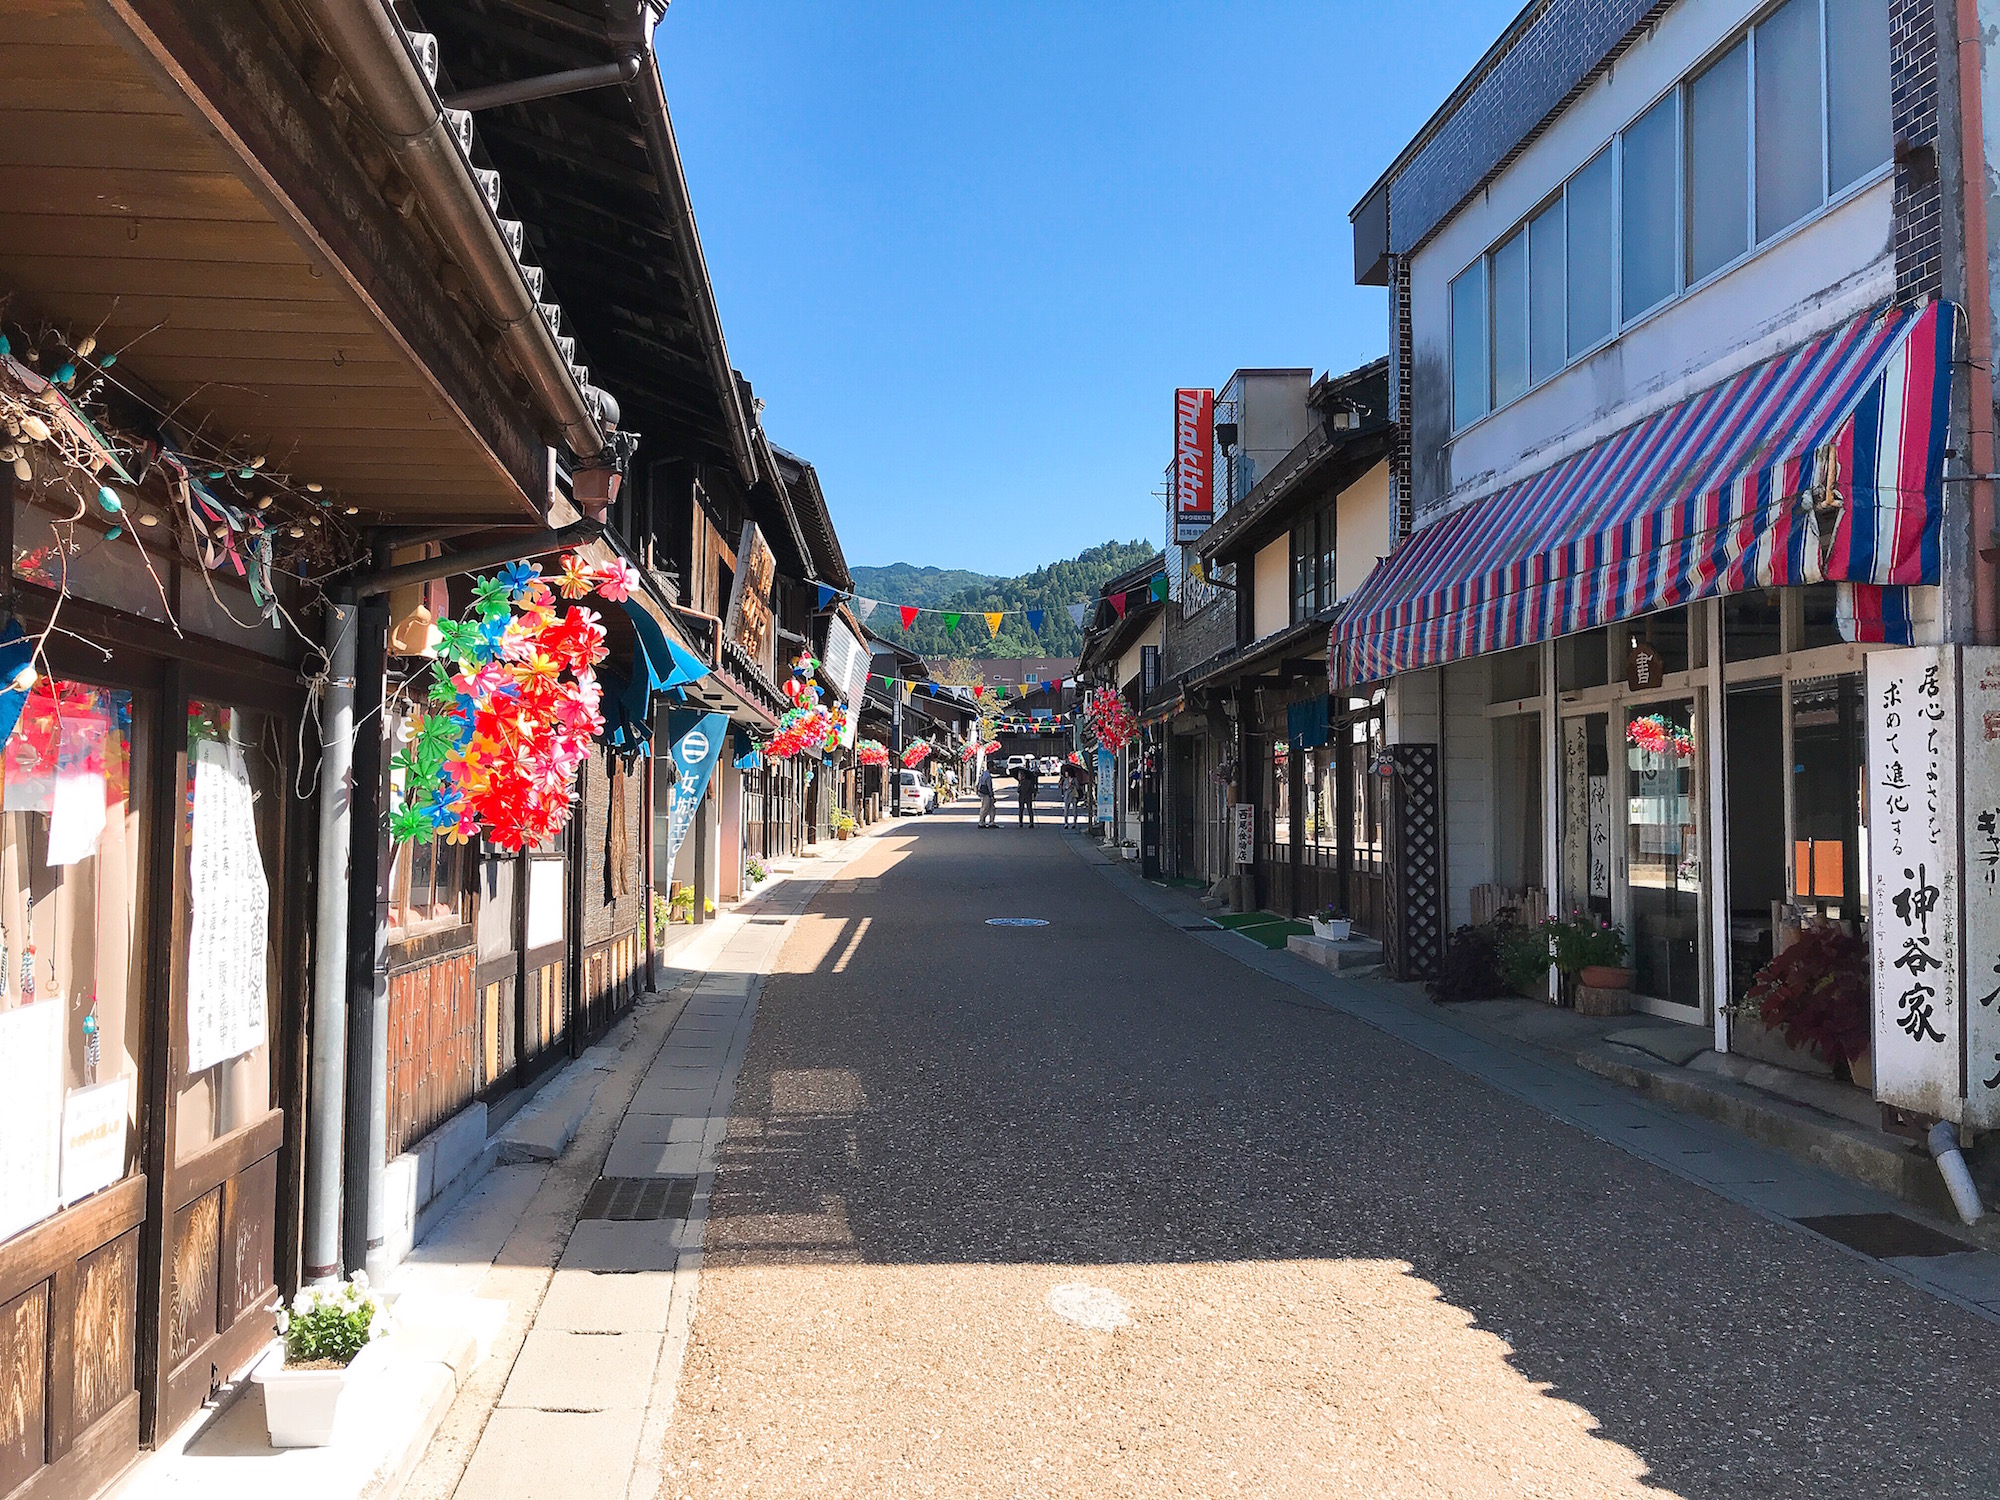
<point>1545,292</point>
<point>1718,163</point>
<point>1663,851</point>
<point>1517,802</point>
<point>1819,621</point>
<point>1667,634</point>
<point>1278,791</point>
<point>1321,798</point>
<point>1517,674</point>
<point>1790,171</point>
<point>1648,210</point>
<point>1829,797</point>
<point>1752,625</point>
<point>1754,787</point>
<point>1590,256</point>
<point>72,1011</point>
<point>1368,791</point>
<point>1510,318</point>
<point>427,889</point>
<point>229,874</point>
<point>1583,660</point>
<point>1859,135</point>
<point>1468,345</point>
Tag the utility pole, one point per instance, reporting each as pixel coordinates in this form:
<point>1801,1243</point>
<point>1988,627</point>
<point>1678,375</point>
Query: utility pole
<point>896,752</point>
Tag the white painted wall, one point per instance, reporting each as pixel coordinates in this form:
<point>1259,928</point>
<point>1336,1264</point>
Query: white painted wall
<point>1361,529</point>
<point>1816,275</point>
<point>1128,664</point>
<point>1271,604</point>
<point>1468,785</point>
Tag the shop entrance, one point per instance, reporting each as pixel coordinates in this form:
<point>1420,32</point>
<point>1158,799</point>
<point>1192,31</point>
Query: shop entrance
<point>1663,853</point>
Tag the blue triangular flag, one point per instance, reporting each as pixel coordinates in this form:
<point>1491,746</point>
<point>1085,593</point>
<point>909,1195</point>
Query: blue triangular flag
<point>826,594</point>
<point>1034,620</point>
<point>1076,615</point>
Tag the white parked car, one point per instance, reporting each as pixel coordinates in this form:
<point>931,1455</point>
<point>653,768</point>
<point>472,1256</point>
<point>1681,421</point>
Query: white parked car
<point>1014,763</point>
<point>1051,766</point>
<point>919,796</point>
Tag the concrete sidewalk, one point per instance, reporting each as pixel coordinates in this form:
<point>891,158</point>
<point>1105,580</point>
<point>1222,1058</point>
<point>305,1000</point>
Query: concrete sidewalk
<point>1951,1265</point>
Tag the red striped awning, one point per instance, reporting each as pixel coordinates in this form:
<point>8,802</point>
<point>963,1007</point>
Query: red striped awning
<point>1823,465</point>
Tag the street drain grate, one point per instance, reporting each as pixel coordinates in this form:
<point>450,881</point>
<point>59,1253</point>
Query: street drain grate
<point>635,1199</point>
<point>1885,1236</point>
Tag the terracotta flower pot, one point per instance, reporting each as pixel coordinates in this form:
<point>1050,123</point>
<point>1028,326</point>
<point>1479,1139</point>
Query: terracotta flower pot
<point>1604,977</point>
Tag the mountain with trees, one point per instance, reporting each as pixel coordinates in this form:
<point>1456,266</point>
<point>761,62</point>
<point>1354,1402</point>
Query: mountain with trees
<point>906,583</point>
<point>1051,589</point>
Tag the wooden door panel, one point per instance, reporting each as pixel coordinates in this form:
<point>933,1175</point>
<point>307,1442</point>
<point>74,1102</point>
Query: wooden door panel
<point>196,1258</point>
<point>103,1327</point>
<point>24,1357</point>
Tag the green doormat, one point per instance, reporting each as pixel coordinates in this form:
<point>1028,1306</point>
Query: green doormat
<point>1263,927</point>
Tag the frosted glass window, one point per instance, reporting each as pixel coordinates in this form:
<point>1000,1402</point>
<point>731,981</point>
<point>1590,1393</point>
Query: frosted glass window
<point>1718,163</point>
<point>1510,319</point>
<point>1648,209</point>
<point>1468,344</point>
<point>1592,310</point>
<point>1791,177</point>
<point>1858,132</point>
<point>1545,293</point>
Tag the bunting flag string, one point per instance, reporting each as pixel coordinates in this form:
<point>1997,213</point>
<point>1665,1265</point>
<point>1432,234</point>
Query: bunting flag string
<point>1155,589</point>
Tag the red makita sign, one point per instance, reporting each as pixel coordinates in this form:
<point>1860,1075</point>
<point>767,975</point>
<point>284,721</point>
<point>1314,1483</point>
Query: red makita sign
<point>1194,463</point>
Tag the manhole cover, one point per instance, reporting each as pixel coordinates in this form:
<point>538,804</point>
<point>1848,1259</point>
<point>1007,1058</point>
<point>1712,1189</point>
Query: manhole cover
<point>1094,1307</point>
<point>1015,922</point>
<point>1885,1235</point>
<point>632,1199</point>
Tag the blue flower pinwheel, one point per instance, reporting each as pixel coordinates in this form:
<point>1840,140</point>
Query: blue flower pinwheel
<point>516,577</point>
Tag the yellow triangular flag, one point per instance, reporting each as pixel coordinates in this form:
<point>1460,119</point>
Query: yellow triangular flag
<point>993,619</point>
<point>1024,689</point>
<point>906,691</point>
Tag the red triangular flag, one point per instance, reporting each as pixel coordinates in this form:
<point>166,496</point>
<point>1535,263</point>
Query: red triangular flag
<point>979,690</point>
<point>909,614</point>
<point>1118,605</point>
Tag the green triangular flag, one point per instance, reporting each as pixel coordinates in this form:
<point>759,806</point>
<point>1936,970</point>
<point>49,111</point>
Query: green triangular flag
<point>951,622</point>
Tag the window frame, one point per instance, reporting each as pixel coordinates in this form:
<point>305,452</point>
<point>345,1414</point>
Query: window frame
<point>1621,324</point>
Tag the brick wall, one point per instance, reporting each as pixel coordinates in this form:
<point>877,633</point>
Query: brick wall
<point>1913,110</point>
<point>1191,640</point>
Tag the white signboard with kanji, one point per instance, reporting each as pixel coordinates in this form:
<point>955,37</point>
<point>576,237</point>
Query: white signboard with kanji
<point>1979,674</point>
<point>1913,875</point>
<point>229,903</point>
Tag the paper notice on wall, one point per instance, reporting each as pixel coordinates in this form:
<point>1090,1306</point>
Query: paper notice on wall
<point>31,1104</point>
<point>228,911</point>
<point>93,1137</point>
<point>1981,678</point>
<point>76,811</point>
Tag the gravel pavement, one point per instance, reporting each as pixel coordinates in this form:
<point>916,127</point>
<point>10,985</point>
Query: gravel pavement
<point>1089,1209</point>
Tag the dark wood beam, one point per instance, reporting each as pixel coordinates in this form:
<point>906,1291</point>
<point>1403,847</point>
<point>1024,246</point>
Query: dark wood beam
<point>236,74</point>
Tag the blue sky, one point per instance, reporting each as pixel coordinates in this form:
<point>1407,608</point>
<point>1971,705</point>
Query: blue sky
<point>965,254</point>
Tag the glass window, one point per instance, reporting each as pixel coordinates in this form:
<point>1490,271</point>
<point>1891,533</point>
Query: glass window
<point>1819,616</point>
<point>1859,135</point>
<point>1517,802</point>
<point>1718,163</point>
<point>1667,633</point>
<point>72,998</point>
<point>228,967</point>
<point>1510,318</point>
<point>1649,207</point>
<point>1517,674</point>
<point>1589,255</point>
<point>1582,661</point>
<point>1468,345</point>
<point>1545,292</point>
<point>1791,178</point>
<point>1663,851</point>
<point>1750,625</point>
<point>1829,796</point>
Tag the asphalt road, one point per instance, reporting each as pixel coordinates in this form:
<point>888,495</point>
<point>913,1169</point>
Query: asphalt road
<point>1348,1268</point>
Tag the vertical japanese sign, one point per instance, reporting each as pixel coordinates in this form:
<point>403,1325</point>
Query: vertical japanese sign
<point>1244,833</point>
<point>696,751</point>
<point>229,904</point>
<point>1107,785</point>
<point>1913,878</point>
<point>1980,673</point>
<point>1194,463</point>
<point>750,625</point>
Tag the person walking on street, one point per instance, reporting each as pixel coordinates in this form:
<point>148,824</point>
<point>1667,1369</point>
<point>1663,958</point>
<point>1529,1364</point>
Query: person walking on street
<point>987,817</point>
<point>1071,794</point>
<point>1024,791</point>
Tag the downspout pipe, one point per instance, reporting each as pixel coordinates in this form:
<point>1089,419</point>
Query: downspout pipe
<point>1943,1142</point>
<point>327,1109</point>
<point>372,49</point>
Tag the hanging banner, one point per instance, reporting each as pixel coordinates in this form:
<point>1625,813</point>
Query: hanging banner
<point>1980,673</point>
<point>696,751</point>
<point>1107,785</point>
<point>1913,879</point>
<point>31,1096</point>
<point>845,662</point>
<point>1243,833</point>
<point>229,904</point>
<point>1194,463</point>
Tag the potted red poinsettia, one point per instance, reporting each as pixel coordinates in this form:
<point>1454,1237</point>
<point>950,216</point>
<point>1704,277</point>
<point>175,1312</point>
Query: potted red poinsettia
<point>1816,994</point>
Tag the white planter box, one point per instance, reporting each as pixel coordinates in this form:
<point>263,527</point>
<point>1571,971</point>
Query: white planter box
<point>299,1405</point>
<point>1130,851</point>
<point>1333,932</point>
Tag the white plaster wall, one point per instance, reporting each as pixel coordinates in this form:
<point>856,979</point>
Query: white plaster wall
<point>1410,709</point>
<point>1810,279</point>
<point>1128,664</point>
<point>1361,529</point>
<point>1271,604</point>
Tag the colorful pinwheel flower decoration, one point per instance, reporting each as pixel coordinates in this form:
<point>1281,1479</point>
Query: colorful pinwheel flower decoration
<point>1110,720</point>
<point>510,712</point>
<point>871,753</point>
<point>1656,734</point>
<point>808,726</point>
<point>915,755</point>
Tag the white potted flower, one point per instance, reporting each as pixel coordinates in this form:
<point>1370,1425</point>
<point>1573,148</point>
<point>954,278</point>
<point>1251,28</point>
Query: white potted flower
<point>303,1375</point>
<point>1332,923</point>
